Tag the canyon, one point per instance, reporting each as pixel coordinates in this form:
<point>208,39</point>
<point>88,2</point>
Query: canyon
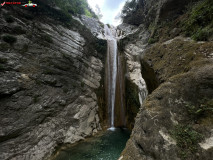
<point>64,80</point>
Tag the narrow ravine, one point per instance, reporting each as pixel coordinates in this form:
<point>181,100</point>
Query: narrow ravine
<point>106,145</point>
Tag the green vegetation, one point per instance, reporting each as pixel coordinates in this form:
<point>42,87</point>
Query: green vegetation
<point>74,7</point>
<point>101,24</point>
<point>82,84</point>
<point>187,140</point>
<point>204,108</point>
<point>101,45</point>
<point>45,9</point>
<point>46,38</point>
<point>199,23</point>
<point>108,25</point>
<point>88,13</point>
<point>152,40</point>
<point>133,12</point>
<point>202,34</point>
<point>35,98</point>
<point>129,8</point>
<point>60,10</point>
<point>9,39</point>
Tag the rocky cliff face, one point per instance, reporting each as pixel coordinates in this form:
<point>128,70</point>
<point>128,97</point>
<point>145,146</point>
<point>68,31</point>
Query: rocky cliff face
<point>175,121</point>
<point>49,76</point>
<point>155,11</point>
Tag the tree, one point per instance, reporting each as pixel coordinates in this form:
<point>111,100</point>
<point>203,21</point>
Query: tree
<point>129,7</point>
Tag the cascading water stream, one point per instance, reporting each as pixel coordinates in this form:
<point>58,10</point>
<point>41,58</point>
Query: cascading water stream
<point>111,71</point>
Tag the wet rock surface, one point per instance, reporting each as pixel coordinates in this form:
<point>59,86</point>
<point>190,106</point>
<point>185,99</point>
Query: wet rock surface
<point>48,81</point>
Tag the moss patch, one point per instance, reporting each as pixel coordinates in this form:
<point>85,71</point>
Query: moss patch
<point>201,111</point>
<point>176,57</point>
<point>187,140</point>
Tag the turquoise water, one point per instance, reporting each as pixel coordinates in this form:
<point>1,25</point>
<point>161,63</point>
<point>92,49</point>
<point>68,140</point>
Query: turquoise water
<point>107,146</point>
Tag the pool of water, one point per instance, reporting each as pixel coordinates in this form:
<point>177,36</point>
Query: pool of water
<point>107,146</point>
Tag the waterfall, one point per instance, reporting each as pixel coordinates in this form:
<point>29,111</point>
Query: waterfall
<point>115,82</point>
<point>110,35</point>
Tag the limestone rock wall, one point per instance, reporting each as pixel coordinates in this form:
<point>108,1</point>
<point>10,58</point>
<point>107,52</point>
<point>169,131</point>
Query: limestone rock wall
<point>175,120</point>
<point>149,12</point>
<point>186,83</point>
<point>48,81</point>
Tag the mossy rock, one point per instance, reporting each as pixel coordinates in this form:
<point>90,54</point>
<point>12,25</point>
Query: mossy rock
<point>187,140</point>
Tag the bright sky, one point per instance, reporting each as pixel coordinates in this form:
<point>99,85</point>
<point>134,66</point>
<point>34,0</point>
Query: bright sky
<point>109,9</point>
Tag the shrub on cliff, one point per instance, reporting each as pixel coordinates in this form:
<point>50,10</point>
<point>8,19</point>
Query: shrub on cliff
<point>199,24</point>
<point>73,7</point>
<point>202,110</point>
<point>129,8</point>
<point>60,10</point>
<point>132,12</point>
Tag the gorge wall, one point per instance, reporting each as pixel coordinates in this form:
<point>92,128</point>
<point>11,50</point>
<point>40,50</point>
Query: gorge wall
<point>50,80</point>
<point>175,121</point>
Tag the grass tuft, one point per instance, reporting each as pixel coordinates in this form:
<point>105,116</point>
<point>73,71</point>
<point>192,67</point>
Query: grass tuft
<point>187,140</point>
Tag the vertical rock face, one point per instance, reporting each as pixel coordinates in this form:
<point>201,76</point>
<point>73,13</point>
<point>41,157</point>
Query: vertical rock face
<point>166,118</point>
<point>135,86</point>
<point>48,79</point>
<point>154,11</point>
<point>175,121</point>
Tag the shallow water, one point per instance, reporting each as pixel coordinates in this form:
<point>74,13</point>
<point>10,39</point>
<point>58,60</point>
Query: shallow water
<point>108,146</point>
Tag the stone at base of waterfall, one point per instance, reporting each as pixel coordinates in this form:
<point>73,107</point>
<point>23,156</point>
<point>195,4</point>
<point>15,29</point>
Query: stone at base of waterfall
<point>72,136</point>
<point>111,129</point>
